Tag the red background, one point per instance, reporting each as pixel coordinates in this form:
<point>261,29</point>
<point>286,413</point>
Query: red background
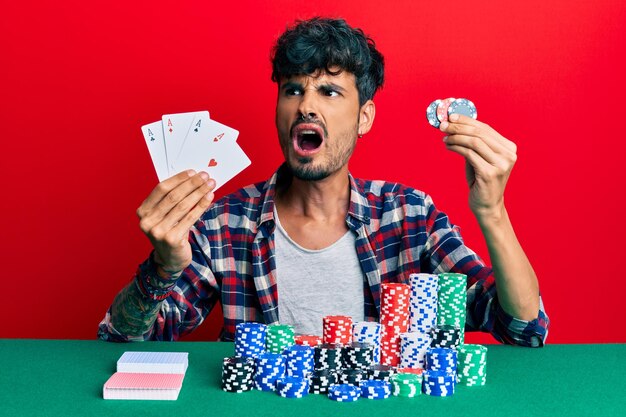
<point>80,78</point>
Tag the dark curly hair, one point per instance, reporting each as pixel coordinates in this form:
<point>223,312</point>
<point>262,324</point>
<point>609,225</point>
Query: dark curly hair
<point>322,43</point>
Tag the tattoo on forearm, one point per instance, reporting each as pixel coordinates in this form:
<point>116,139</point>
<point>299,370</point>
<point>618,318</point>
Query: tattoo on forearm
<point>133,314</point>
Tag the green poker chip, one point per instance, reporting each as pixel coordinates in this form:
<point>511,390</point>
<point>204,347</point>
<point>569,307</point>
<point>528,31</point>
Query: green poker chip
<point>279,337</point>
<point>452,301</point>
<point>472,365</point>
<point>406,385</point>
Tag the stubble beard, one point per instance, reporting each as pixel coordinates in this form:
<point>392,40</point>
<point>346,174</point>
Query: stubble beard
<point>305,171</point>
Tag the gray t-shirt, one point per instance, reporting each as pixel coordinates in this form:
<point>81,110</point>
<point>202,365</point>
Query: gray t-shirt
<point>316,283</point>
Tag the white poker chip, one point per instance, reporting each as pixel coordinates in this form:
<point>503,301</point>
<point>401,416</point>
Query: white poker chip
<point>431,113</point>
<point>463,106</point>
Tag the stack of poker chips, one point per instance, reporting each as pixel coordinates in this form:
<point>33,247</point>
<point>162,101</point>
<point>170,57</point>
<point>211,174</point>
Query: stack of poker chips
<point>394,319</point>
<point>413,347</point>
<point>327,356</point>
<point>237,374</point>
<point>327,362</point>
<point>321,380</point>
<point>441,359</point>
<point>381,372</point>
<point>423,307</point>
<point>446,336</point>
<point>292,387</point>
<point>438,383</point>
<point>407,385</point>
<point>337,329</point>
<point>438,111</point>
<point>269,368</point>
<point>357,355</point>
<point>352,376</point>
<point>295,365</point>
<point>472,365</point>
<point>368,332</point>
<point>250,339</point>
<point>299,360</point>
<point>439,379</point>
<point>375,389</point>
<point>279,337</point>
<point>308,340</point>
<point>451,301</point>
<point>344,392</point>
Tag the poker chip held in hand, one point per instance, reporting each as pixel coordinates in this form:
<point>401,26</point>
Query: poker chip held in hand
<point>439,110</point>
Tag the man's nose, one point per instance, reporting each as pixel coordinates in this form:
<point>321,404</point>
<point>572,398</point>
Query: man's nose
<point>307,109</point>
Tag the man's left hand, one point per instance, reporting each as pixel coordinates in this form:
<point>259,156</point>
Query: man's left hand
<point>489,159</point>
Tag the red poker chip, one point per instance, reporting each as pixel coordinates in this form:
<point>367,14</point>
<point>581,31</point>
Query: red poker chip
<point>416,371</point>
<point>394,318</point>
<point>403,288</point>
<point>389,357</point>
<point>394,309</point>
<point>308,340</point>
<point>442,109</point>
<point>337,329</point>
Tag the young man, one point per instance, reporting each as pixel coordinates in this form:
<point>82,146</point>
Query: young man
<point>312,240</point>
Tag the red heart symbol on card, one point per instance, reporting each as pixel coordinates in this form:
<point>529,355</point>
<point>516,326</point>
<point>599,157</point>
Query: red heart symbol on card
<point>218,137</point>
<point>212,162</point>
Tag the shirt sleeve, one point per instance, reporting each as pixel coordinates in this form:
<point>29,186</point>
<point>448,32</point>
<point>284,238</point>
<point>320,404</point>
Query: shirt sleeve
<point>193,296</point>
<point>446,252</point>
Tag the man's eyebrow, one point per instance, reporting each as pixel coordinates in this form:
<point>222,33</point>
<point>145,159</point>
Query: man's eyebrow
<point>331,86</point>
<point>290,84</point>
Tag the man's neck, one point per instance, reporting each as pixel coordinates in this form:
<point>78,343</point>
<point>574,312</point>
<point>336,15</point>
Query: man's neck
<point>317,200</point>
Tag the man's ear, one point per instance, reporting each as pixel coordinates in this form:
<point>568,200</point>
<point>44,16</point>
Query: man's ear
<point>366,117</point>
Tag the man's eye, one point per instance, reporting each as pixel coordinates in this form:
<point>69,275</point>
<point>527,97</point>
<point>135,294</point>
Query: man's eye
<point>293,91</point>
<point>331,93</point>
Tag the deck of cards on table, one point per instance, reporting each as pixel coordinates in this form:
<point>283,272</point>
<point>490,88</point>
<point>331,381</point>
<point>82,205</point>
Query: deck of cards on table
<point>147,376</point>
<point>192,140</point>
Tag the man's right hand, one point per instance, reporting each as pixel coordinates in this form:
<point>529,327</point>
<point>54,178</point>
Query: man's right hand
<point>168,214</point>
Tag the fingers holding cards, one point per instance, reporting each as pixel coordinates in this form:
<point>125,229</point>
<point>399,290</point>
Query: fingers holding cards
<point>169,212</point>
<point>182,206</point>
<point>162,189</point>
<point>193,156</point>
<point>165,200</point>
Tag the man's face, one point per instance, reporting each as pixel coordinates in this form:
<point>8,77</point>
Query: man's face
<point>317,118</point>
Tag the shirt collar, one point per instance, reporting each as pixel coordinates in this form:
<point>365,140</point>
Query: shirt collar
<point>359,208</point>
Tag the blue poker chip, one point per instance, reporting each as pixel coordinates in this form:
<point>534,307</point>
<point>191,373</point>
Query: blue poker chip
<point>439,383</point>
<point>250,339</point>
<point>375,389</point>
<point>269,368</point>
<point>431,114</point>
<point>292,387</point>
<point>299,360</point>
<point>463,106</point>
<point>344,392</point>
<point>441,359</point>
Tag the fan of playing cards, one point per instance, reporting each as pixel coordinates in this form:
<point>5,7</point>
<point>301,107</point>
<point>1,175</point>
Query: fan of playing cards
<point>194,141</point>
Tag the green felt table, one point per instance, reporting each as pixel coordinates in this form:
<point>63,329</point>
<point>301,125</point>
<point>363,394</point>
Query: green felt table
<point>65,378</point>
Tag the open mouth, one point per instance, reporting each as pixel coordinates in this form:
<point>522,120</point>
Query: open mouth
<point>307,138</point>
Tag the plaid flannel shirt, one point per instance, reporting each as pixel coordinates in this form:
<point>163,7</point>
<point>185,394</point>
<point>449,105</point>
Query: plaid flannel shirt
<point>398,232</point>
